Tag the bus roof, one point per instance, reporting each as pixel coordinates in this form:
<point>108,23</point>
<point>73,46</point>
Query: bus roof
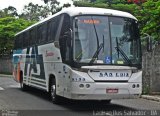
<point>73,11</point>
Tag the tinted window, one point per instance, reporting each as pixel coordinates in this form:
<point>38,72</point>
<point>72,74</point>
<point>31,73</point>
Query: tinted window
<point>39,34</point>
<point>16,42</point>
<point>50,33</point>
<point>25,39</point>
<point>42,33</point>
<point>32,36</point>
<point>53,28</point>
<point>65,25</point>
<point>20,41</point>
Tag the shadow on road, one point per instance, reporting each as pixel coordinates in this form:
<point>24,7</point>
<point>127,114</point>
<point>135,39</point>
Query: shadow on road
<point>72,108</point>
<point>76,105</point>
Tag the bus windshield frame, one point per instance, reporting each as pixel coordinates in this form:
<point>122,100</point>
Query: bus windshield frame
<point>106,40</point>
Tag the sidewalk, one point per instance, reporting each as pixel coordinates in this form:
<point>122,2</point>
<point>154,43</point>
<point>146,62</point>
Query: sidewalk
<point>151,97</point>
<point>5,75</point>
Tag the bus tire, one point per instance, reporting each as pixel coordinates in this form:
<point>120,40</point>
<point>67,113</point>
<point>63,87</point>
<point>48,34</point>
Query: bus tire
<point>23,86</point>
<point>52,91</point>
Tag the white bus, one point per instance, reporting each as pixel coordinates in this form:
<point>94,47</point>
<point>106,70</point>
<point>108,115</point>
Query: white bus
<point>81,53</point>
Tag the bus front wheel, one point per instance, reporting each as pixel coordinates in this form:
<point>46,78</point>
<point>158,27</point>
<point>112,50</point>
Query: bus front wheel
<point>54,97</point>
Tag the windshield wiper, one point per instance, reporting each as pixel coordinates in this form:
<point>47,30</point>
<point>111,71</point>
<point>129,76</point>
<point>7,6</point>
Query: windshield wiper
<point>124,56</point>
<point>99,47</point>
<point>96,53</point>
<point>96,34</point>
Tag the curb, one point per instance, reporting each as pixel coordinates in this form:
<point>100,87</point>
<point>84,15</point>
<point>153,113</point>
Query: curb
<point>149,97</point>
<point>3,75</point>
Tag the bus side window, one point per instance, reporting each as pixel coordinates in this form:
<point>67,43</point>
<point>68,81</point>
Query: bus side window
<point>16,42</point>
<point>15,59</point>
<point>42,33</point>
<point>26,39</point>
<point>53,28</point>
<point>49,32</point>
<point>39,34</point>
<point>20,41</point>
<point>32,37</point>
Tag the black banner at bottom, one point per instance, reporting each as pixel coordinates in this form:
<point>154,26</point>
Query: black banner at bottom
<point>79,113</point>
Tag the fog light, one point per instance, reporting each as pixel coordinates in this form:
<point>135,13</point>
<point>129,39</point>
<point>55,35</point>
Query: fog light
<point>133,86</point>
<point>87,85</point>
<point>134,70</point>
<point>81,85</point>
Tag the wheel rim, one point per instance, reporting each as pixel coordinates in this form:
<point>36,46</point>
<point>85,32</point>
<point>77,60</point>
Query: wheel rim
<point>53,91</point>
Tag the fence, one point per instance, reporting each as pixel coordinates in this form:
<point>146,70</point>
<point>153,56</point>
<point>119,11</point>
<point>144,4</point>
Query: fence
<point>6,65</point>
<point>151,71</point>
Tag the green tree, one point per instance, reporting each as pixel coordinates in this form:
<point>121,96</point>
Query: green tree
<point>115,4</point>
<point>38,12</point>
<point>149,15</point>
<point>9,26</point>
<point>52,6</point>
<point>34,12</point>
<point>10,11</point>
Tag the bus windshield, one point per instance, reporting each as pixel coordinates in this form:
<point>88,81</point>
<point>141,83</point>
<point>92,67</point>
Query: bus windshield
<point>106,40</point>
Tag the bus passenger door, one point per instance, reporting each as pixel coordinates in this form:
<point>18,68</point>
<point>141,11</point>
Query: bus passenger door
<point>65,45</point>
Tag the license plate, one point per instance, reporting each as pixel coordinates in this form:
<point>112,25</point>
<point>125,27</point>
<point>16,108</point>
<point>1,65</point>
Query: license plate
<point>111,90</point>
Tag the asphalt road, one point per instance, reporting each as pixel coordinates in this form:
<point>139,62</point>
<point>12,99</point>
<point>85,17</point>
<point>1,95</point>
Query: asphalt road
<point>14,102</point>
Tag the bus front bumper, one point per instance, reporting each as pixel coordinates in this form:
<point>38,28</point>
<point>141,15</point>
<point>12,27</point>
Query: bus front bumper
<point>105,91</point>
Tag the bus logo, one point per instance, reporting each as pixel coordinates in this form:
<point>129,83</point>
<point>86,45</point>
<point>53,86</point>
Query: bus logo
<point>49,53</point>
<point>106,74</point>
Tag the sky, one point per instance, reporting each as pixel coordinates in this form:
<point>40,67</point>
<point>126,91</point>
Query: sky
<point>19,4</point>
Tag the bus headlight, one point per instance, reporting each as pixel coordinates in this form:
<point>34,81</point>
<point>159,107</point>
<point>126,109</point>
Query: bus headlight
<point>81,85</point>
<point>88,85</point>
<point>133,86</point>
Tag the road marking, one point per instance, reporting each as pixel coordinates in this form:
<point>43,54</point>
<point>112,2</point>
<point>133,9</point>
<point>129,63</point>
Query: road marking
<point>1,88</point>
<point>14,86</point>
